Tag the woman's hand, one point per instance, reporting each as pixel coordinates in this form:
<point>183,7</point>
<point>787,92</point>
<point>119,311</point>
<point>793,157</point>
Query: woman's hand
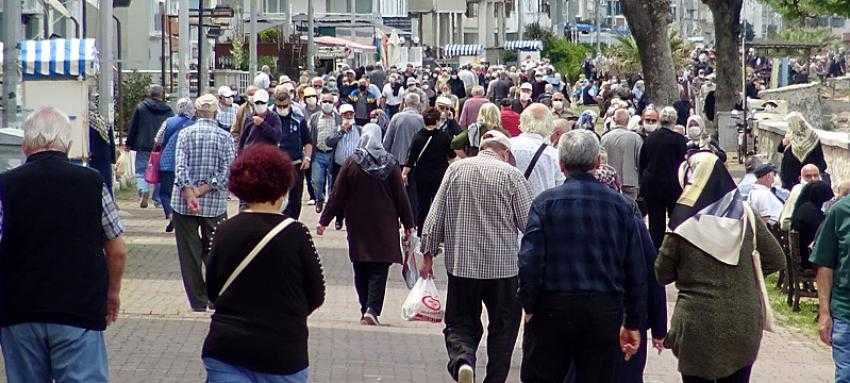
<point>658,344</point>
<point>427,269</point>
<point>320,230</point>
<point>629,342</point>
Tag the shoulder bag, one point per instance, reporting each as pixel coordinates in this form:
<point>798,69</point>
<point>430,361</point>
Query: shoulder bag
<point>253,254</point>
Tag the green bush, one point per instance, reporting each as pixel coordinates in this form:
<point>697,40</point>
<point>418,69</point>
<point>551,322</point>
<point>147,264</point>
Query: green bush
<point>566,56</point>
<point>134,88</point>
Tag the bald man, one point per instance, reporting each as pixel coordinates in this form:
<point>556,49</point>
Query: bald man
<point>809,173</point>
<point>623,147</point>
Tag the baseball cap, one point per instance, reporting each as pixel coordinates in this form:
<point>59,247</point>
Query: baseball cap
<point>346,108</point>
<point>764,169</point>
<point>443,100</point>
<point>206,103</point>
<point>225,91</point>
<point>495,136</point>
<point>525,86</point>
<point>412,80</point>
<point>309,92</point>
<point>261,96</point>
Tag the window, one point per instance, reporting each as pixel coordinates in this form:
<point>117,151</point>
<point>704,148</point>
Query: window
<point>156,18</point>
<point>274,6</point>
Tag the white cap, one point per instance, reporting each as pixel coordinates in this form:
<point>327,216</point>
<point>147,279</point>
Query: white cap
<point>525,86</point>
<point>443,100</point>
<point>412,80</point>
<point>261,96</point>
<point>225,91</point>
<point>346,108</point>
<point>496,136</point>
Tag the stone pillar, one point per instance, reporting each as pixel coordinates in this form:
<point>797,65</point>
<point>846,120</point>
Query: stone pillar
<point>482,21</point>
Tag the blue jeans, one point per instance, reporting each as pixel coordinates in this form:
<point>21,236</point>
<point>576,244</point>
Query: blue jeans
<point>166,186</point>
<point>220,372</point>
<point>841,350</point>
<point>141,164</point>
<point>322,164</point>
<point>41,352</point>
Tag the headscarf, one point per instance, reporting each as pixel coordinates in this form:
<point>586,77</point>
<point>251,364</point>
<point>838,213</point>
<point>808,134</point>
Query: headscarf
<point>607,175</point>
<point>587,120</point>
<point>638,89</point>
<point>803,137</point>
<point>697,138</point>
<point>816,193</point>
<point>383,120</point>
<point>96,120</point>
<point>371,155</point>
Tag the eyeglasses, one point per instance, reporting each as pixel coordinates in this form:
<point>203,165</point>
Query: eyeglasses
<point>259,102</point>
<point>650,120</point>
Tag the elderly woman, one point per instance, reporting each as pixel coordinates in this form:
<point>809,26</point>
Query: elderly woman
<point>370,192</point>
<point>699,140</point>
<point>801,146</point>
<point>716,253</point>
<point>257,333</point>
<point>808,216</point>
<point>427,162</point>
<point>167,140</point>
<point>467,143</point>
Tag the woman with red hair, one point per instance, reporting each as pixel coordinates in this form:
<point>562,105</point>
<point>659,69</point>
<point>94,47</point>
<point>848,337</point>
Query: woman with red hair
<point>259,333</point>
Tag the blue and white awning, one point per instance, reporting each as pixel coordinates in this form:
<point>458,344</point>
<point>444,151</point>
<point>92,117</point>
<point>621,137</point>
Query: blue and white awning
<point>524,45</point>
<point>57,58</point>
<point>453,50</point>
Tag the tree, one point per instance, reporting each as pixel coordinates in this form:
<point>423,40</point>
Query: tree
<point>649,21</point>
<point>727,32</point>
<point>803,11</point>
<point>625,55</point>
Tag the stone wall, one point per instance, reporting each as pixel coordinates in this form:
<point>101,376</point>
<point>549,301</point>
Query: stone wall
<point>804,98</point>
<point>836,147</point>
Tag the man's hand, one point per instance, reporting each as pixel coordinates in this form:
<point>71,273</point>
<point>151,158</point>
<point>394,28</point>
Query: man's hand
<point>408,233</point>
<point>113,304</point>
<point>825,328</point>
<point>345,126</point>
<point>658,344</point>
<point>629,342</point>
<point>427,269</point>
<point>190,195</point>
<point>320,230</point>
<point>404,175</point>
<point>305,163</point>
<point>258,120</point>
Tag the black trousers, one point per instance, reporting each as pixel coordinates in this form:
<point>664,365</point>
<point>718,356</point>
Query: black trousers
<point>658,210</point>
<point>370,281</point>
<point>578,330</point>
<point>464,329</point>
<point>194,237</point>
<point>293,203</point>
<point>308,176</point>
<point>740,376</point>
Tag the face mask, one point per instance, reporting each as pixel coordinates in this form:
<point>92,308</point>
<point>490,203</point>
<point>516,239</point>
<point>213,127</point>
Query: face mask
<point>425,86</point>
<point>311,101</point>
<point>362,88</point>
<point>261,108</point>
<point>649,128</point>
<point>327,108</point>
<point>558,104</point>
<point>524,96</point>
<point>454,77</point>
<point>283,111</point>
<point>349,121</point>
<point>374,120</point>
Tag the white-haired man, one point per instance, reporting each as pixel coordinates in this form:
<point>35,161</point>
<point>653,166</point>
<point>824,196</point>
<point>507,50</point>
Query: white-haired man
<point>203,156</point>
<point>403,127</point>
<point>480,208</point>
<point>469,114</point>
<point>62,260</point>
<point>623,147</point>
<point>534,157</point>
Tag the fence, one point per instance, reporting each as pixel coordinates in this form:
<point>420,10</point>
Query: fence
<point>238,80</point>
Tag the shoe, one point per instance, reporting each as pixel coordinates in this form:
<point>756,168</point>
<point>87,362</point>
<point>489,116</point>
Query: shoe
<point>170,227</point>
<point>211,307</point>
<point>199,309</point>
<point>369,320</point>
<point>319,207</point>
<point>311,202</point>
<point>339,225</point>
<point>144,202</point>
<point>465,374</point>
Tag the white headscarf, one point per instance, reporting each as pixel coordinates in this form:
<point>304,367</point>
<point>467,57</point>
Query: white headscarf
<point>371,155</point>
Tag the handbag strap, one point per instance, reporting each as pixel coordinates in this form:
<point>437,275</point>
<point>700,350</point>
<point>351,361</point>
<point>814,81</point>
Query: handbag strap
<point>253,254</point>
<point>421,152</point>
<point>534,160</point>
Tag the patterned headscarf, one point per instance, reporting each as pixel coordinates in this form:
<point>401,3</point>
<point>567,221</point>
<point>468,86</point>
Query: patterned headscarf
<point>587,120</point>
<point>803,137</point>
<point>607,175</point>
<point>371,155</point>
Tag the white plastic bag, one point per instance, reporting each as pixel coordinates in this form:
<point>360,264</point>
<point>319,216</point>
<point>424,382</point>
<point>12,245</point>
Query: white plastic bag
<point>409,267</point>
<point>423,303</point>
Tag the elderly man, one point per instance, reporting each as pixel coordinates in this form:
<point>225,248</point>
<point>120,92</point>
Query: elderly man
<point>323,125</point>
<point>263,127</point>
<point>203,156</point>
<point>146,121</point>
<point>579,283</point>
<point>263,79</point>
<point>623,148</point>
<point>480,208</point>
<point>763,198</point>
<point>318,84</point>
<point>469,114</point>
<point>499,88</point>
<point>524,99</point>
<point>660,156</point>
<point>809,173</point>
<point>296,142</point>
<point>344,142</point>
<point>226,116</point>
<point>62,260</point>
<point>413,86</point>
<point>364,100</point>
<point>403,127</point>
<point>561,106</point>
<point>245,110</point>
<point>534,157</point>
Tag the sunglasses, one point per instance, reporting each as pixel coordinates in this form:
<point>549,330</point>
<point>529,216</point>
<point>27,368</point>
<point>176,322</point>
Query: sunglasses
<point>327,102</point>
<point>650,120</point>
<point>259,103</point>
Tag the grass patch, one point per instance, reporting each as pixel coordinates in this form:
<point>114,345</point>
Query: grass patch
<point>127,193</point>
<point>802,321</point>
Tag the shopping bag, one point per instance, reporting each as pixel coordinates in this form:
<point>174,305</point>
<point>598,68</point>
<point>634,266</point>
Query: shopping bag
<point>423,303</point>
<point>409,267</point>
<point>152,172</point>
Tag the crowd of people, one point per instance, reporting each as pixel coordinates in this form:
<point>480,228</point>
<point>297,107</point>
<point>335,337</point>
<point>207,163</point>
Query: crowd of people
<point>492,167</point>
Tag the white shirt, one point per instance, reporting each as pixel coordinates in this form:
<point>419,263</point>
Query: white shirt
<point>390,98</point>
<point>765,203</point>
<point>547,173</point>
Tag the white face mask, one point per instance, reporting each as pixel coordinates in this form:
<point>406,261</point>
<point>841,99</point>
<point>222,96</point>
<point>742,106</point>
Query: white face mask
<point>261,108</point>
<point>327,108</point>
<point>649,128</point>
<point>283,111</point>
<point>311,101</point>
<point>558,105</point>
<point>374,120</point>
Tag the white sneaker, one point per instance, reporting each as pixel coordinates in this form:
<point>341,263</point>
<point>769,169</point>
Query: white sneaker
<point>311,202</point>
<point>465,374</point>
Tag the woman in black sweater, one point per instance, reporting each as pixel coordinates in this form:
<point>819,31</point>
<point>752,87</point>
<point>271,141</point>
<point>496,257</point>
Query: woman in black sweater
<point>427,162</point>
<point>808,216</point>
<point>259,329</point>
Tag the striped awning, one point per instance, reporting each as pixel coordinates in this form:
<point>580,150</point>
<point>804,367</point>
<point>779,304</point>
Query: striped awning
<point>453,50</point>
<point>57,58</point>
<point>524,45</point>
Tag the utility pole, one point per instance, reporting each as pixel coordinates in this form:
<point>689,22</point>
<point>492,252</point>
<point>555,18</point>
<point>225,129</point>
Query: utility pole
<point>162,21</point>
<point>520,10</point>
<point>105,83</point>
<point>11,33</point>
<point>252,40</point>
<point>184,48</point>
<point>311,31</point>
<point>202,71</point>
<point>598,25</point>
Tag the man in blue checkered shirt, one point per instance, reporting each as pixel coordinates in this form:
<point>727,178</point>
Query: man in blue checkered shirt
<point>581,267</point>
<point>203,156</point>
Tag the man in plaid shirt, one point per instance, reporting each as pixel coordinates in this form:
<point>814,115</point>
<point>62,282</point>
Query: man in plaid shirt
<point>479,210</point>
<point>203,156</point>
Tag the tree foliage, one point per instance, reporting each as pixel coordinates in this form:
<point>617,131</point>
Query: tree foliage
<point>134,88</point>
<point>803,11</point>
<point>534,31</point>
<point>566,56</point>
<point>625,57</point>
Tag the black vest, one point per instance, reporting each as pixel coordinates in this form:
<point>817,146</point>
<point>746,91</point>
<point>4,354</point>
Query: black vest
<point>52,263</point>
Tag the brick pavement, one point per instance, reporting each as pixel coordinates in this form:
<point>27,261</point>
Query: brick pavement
<point>158,339</point>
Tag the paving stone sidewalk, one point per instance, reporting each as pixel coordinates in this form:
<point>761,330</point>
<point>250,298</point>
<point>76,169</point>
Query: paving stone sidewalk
<point>158,339</point>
